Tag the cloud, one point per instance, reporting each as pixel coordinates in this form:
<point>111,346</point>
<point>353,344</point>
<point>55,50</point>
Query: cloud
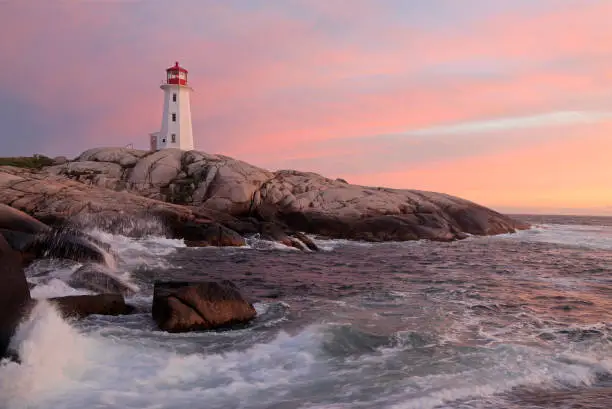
<point>503,124</point>
<point>569,171</point>
<point>353,87</point>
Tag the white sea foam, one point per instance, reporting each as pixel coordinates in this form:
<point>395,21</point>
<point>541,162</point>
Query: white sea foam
<point>51,277</point>
<point>586,236</point>
<point>333,244</point>
<point>53,355</point>
<point>56,288</point>
<point>103,367</point>
<point>259,244</point>
<point>64,368</point>
<point>133,252</point>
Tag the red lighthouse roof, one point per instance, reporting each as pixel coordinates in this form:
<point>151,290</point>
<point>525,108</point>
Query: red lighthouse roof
<point>176,67</point>
<point>176,75</point>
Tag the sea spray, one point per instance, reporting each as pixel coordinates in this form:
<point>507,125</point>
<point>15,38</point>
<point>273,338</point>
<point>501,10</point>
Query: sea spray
<point>52,355</point>
<point>456,325</point>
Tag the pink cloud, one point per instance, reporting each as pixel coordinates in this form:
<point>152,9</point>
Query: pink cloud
<point>305,81</point>
<point>571,172</point>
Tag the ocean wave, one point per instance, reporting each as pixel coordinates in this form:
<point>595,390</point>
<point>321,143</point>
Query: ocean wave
<point>318,366</point>
<point>575,235</point>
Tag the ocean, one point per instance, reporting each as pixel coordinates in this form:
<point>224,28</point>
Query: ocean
<point>513,321</point>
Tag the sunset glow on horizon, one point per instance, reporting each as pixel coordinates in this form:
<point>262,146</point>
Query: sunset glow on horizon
<point>507,103</point>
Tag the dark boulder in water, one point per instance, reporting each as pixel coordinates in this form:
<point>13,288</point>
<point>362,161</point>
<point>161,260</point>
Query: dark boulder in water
<point>306,240</point>
<point>196,306</point>
<point>208,234</point>
<point>278,233</point>
<point>16,220</point>
<point>14,294</point>
<point>96,277</point>
<point>56,244</point>
<point>80,306</point>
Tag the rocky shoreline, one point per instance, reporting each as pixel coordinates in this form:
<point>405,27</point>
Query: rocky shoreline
<point>217,200</point>
<point>177,306</point>
<point>206,200</point>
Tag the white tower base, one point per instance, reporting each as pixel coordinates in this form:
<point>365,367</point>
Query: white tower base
<point>176,130</point>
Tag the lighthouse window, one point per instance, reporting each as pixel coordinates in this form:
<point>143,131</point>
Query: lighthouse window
<point>173,138</point>
<point>174,97</point>
<point>173,117</point>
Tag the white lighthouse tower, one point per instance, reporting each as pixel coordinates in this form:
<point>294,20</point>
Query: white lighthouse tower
<point>176,131</point>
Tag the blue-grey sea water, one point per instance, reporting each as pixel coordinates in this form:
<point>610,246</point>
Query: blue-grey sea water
<point>513,321</point>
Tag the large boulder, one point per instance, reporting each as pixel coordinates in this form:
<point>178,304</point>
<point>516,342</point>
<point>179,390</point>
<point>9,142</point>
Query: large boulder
<point>185,306</point>
<point>57,244</point>
<point>155,170</point>
<point>14,294</point>
<point>208,234</point>
<point>122,156</point>
<point>15,220</point>
<point>80,306</point>
<point>102,174</point>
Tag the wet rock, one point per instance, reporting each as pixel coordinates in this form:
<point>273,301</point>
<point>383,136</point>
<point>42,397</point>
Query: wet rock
<point>98,278</point>
<point>15,220</point>
<point>56,244</point>
<point>14,294</point>
<point>80,306</point>
<point>307,241</point>
<point>196,306</point>
<point>276,232</point>
<point>23,238</point>
<point>208,234</point>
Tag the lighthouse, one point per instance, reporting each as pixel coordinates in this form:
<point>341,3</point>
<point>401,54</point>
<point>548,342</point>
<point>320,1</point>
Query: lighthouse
<point>176,131</point>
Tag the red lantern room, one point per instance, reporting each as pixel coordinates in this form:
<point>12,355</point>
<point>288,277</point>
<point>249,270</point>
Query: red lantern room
<point>176,75</point>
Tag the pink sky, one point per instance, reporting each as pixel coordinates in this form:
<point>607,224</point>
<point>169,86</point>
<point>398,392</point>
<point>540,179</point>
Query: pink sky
<point>507,103</point>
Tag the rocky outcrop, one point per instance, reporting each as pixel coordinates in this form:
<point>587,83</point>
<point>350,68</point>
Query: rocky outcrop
<point>183,306</point>
<point>214,200</point>
<point>250,197</point>
<point>174,176</point>
<point>59,200</point>
<point>81,306</point>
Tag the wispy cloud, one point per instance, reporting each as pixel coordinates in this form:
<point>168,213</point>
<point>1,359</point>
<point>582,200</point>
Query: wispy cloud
<point>353,87</point>
<point>550,119</point>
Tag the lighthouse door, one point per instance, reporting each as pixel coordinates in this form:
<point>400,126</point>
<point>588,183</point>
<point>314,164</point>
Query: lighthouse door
<point>153,142</point>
